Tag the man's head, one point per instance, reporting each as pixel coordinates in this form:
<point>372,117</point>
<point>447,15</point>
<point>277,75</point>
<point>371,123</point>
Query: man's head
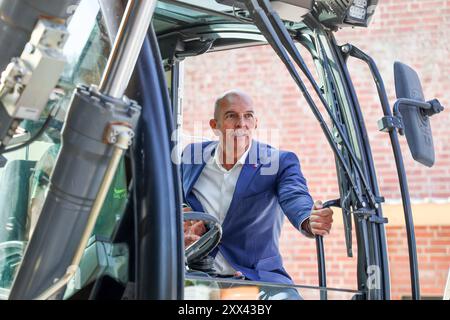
<point>234,119</point>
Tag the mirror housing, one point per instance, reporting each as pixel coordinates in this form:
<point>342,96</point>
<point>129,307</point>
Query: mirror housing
<point>415,112</point>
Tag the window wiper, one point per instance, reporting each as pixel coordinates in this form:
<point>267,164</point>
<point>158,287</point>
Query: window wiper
<point>345,203</point>
<point>311,46</point>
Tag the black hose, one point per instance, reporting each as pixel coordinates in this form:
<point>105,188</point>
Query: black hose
<point>31,140</point>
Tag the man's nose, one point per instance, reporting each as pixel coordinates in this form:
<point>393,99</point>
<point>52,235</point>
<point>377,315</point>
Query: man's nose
<point>240,122</point>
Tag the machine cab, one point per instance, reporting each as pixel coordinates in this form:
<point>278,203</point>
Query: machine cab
<point>135,249</point>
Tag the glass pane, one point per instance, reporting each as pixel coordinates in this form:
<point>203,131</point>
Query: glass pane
<point>170,16</point>
<point>205,288</point>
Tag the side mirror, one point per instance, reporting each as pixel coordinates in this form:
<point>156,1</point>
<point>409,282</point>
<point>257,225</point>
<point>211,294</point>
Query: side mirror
<point>415,113</point>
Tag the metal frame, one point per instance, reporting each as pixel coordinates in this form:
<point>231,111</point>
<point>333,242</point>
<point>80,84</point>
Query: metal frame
<point>369,250</point>
<point>393,135</point>
<point>368,160</point>
<point>127,45</point>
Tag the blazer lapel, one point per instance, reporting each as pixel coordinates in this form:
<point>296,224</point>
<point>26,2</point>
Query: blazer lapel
<point>194,174</point>
<point>248,173</point>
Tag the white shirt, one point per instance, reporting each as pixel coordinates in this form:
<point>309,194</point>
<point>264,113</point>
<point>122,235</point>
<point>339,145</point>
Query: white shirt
<point>214,189</point>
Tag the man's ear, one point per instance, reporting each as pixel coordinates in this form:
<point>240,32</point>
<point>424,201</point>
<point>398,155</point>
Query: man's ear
<point>213,125</point>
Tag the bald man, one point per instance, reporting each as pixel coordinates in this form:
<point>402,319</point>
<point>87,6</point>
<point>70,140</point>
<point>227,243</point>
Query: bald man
<point>249,187</point>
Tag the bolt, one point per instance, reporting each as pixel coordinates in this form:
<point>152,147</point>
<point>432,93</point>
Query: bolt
<point>29,48</point>
<point>131,112</point>
<point>345,48</point>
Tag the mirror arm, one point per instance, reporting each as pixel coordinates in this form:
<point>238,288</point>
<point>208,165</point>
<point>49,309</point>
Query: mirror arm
<point>435,108</point>
<point>430,108</point>
<point>388,123</point>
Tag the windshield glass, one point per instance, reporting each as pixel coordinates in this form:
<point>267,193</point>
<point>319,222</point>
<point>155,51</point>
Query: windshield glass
<point>203,288</point>
<point>282,114</point>
<point>87,52</point>
<point>173,15</point>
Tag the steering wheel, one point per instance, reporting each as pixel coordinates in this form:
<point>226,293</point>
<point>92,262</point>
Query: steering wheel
<point>197,253</point>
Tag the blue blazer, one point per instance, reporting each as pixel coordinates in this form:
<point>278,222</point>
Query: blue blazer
<point>271,183</point>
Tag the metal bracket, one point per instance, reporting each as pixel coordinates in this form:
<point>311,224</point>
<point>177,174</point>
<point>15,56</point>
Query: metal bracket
<point>345,51</point>
<point>28,81</point>
<point>378,201</point>
<point>370,216</point>
<point>376,219</point>
<point>114,130</point>
<point>389,123</point>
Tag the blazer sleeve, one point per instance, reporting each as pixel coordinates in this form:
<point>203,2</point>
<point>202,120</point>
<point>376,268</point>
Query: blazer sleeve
<point>292,190</point>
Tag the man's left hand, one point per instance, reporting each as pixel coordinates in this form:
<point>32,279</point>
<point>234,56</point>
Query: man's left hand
<point>320,220</point>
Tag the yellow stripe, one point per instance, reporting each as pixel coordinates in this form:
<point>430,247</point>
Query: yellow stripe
<point>424,214</point>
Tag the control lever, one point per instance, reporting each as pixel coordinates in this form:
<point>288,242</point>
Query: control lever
<point>321,252</point>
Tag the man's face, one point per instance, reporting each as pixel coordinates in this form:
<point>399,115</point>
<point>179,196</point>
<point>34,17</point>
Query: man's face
<point>236,122</point>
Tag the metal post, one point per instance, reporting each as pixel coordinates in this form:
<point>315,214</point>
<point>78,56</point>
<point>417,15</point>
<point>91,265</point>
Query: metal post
<point>127,46</point>
<point>112,12</point>
<point>413,263</point>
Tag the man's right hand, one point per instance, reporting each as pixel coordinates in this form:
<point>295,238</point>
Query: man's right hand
<point>193,229</point>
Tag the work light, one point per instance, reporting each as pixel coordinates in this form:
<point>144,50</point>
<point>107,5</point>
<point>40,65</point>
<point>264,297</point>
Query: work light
<point>344,13</point>
<point>357,11</point>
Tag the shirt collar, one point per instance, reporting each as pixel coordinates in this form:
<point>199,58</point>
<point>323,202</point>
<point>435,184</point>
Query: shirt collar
<point>240,161</point>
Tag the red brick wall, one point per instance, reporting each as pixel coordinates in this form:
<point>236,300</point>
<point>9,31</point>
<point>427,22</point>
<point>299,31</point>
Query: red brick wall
<point>414,32</point>
<point>433,250</point>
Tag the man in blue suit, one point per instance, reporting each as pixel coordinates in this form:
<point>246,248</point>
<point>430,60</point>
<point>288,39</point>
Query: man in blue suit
<point>248,186</point>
